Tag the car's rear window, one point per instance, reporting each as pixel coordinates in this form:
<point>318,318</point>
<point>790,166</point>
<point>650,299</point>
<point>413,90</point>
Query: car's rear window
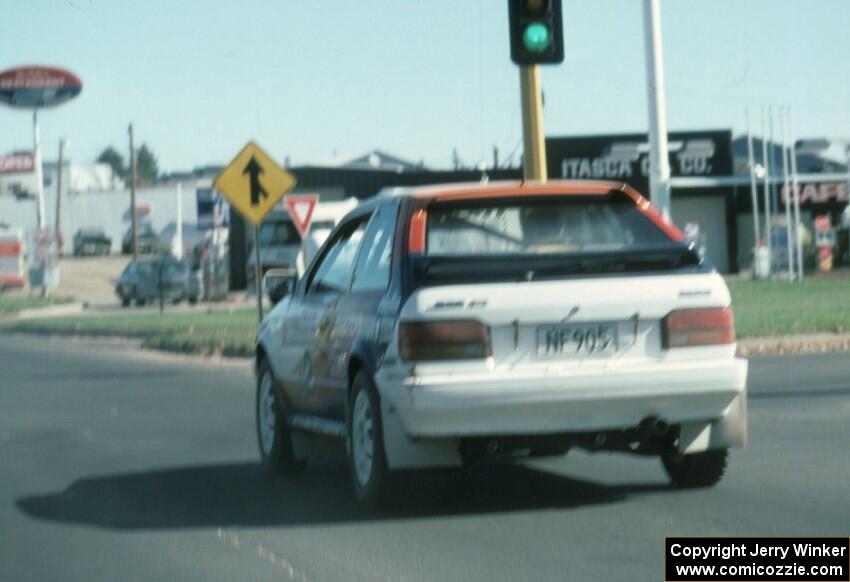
<point>539,226</point>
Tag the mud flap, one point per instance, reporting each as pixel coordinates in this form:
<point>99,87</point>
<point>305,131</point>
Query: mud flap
<point>728,431</point>
<point>404,452</point>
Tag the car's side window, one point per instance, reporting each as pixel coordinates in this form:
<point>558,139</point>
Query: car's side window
<point>333,271</point>
<point>372,271</point>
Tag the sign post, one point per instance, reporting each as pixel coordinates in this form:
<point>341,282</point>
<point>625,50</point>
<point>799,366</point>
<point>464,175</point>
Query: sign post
<point>35,88</point>
<point>254,184</point>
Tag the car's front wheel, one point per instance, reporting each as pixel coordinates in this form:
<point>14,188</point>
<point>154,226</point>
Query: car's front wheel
<point>365,443</point>
<point>273,434</point>
<point>696,470</point>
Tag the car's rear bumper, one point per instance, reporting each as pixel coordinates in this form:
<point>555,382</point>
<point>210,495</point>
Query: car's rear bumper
<point>503,403</point>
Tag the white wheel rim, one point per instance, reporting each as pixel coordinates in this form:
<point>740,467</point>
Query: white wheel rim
<point>266,415</point>
<point>362,441</point>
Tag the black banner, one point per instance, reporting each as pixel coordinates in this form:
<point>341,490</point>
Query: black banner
<point>625,157</point>
<point>757,559</point>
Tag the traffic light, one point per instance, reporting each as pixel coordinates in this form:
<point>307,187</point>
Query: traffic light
<point>537,32</point>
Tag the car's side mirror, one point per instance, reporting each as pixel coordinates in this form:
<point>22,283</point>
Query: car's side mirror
<point>279,283</point>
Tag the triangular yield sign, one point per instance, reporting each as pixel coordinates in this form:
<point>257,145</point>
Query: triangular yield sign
<point>300,208</point>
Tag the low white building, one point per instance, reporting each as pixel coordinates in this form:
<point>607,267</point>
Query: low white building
<point>92,196</point>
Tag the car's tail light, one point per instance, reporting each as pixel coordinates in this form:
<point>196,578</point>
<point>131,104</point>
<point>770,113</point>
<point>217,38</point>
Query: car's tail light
<point>443,340</point>
<point>416,234</point>
<point>699,327</point>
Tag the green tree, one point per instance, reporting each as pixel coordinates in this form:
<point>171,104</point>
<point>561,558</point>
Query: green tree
<point>147,167</point>
<point>115,160</point>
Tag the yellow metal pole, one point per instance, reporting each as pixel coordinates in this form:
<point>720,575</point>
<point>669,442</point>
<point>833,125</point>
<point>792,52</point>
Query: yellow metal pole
<point>534,148</point>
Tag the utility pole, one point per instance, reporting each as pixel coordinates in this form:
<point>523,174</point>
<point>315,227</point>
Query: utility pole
<point>659,162</point>
<point>62,144</point>
<point>795,187</point>
<point>178,233</point>
<point>751,163</point>
<point>767,211</point>
<point>771,152</point>
<point>783,130</point>
<point>534,150</point>
<point>495,157</point>
<point>133,225</point>
<point>846,143</point>
<point>39,177</point>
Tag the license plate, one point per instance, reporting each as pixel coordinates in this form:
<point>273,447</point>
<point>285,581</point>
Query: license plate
<point>581,340</point>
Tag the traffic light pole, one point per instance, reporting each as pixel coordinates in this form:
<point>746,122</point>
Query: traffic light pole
<point>534,149</point>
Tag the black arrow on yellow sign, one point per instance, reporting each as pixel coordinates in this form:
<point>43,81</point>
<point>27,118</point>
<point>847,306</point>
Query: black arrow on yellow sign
<point>253,169</point>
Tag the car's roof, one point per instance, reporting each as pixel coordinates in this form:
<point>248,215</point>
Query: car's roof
<point>470,191</point>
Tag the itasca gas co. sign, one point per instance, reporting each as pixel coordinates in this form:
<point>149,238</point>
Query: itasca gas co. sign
<point>626,157</point>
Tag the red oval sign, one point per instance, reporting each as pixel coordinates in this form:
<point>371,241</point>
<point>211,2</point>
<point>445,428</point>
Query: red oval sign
<point>37,87</point>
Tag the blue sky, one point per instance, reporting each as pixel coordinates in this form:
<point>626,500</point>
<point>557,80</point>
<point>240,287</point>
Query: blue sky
<point>414,77</point>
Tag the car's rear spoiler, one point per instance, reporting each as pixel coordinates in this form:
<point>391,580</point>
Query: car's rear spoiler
<point>445,269</point>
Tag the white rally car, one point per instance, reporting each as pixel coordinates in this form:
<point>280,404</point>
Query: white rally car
<point>456,324</point>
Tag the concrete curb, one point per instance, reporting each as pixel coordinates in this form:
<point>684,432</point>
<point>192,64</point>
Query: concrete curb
<point>816,343</point>
<point>44,312</point>
<point>747,347</point>
<point>132,347</point>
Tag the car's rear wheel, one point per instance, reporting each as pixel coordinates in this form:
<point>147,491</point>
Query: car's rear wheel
<point>273,434</point>
<point>365,443</point>
<point>696,470</point>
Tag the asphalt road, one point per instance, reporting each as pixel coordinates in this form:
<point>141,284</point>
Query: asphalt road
<point>121,467</point>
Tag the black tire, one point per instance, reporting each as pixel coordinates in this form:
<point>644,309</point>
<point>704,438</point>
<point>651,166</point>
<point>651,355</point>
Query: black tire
<point>697,470</point>
<point>373,486</point>
<point>125,302</point>
<point>276,452</point>
<point>193,300</point>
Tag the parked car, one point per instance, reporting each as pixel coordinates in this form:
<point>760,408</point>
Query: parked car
<point>281,247</point>
<point>147,278</point>
<point>148,241</point>
<point>453,325</point>
<point>91,242</point>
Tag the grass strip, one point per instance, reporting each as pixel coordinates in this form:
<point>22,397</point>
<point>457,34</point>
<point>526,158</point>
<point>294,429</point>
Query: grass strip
<point>762,308</point>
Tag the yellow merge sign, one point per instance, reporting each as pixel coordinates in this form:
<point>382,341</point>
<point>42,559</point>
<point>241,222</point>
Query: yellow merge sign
<point>253,183</point>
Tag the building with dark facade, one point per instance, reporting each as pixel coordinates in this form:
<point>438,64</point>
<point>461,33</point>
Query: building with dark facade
<point>710,185</point>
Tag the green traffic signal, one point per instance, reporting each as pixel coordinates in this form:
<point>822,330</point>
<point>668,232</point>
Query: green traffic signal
<point>536,37</point>
<point>537,32</point>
